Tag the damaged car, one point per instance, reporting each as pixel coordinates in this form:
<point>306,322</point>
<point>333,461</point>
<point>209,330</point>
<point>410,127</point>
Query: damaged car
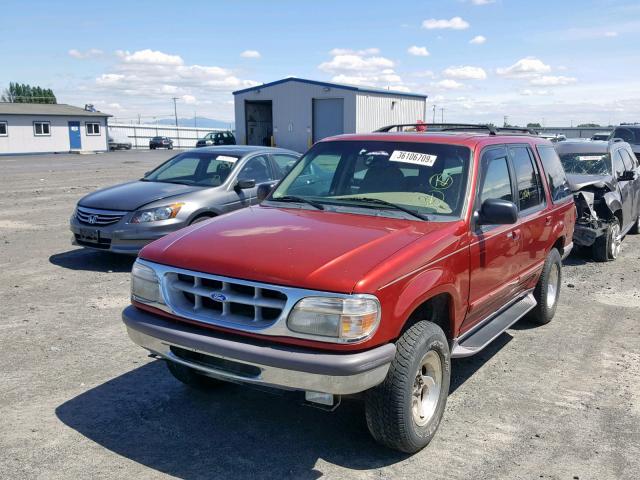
<point>605,181</point>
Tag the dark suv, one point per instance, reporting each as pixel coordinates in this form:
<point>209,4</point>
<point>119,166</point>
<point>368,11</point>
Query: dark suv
<point>161,142</point>
<point>408,249</point>
<point>605,180</point>
<point>629,133</point>
<point>216,138</point>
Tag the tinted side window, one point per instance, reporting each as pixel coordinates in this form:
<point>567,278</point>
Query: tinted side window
<point>256,169</point>
<point>618,163</point>
<point>556,176</point>
<point>496,182</point>
<point>284,162</point>
<point>527,178</point>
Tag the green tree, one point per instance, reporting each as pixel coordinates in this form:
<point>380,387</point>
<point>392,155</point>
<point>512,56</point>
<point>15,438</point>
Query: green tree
<point>23,93</point>
<point>534,125</point>
<point>587,125</point>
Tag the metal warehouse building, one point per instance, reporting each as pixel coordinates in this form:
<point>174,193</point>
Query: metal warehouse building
<point>294,112</point>
<point>42,128</point>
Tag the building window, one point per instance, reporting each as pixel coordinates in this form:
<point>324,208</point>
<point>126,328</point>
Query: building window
<point>42,129</point>
<point>4,129</point>
<point>93,128</point>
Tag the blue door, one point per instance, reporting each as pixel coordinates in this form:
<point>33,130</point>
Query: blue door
<point>75,141</point>
<point>328,117</point>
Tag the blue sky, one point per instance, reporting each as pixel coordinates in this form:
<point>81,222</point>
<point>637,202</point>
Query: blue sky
<point>554,62</point>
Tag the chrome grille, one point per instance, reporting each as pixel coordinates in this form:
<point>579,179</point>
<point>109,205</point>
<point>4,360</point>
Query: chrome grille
<point>92,216</point>
<point>217,300</point>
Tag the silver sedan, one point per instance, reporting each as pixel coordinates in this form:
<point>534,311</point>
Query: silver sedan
<point>188,188</point>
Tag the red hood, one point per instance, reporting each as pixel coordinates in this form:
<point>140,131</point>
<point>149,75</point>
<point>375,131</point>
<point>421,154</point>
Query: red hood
<point>301,248</point>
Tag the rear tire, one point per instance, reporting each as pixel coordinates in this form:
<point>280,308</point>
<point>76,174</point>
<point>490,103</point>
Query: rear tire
<point>607,247</point>
<point>547,291</point>
<point>191,377</point>
<point>404,411</point>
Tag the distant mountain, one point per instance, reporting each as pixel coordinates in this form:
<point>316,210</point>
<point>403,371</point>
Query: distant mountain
<point>200,122</point>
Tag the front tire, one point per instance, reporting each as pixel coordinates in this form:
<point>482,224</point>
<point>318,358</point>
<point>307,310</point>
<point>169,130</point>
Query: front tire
<point>547,291</point>
<point>404,411</point>
<point>191,377</point>
<point>606,248</point>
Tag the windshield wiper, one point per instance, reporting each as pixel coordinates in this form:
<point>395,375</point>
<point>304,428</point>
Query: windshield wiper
<point>295,198</point>
<point>384,203</point>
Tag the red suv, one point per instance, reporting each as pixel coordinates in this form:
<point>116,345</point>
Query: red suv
<point>376,260</point>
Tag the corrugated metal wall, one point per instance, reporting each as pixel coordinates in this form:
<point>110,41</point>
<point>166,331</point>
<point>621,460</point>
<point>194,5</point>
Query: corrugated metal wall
<point>139,135</point>
<point>292,111</point>
<point>376,111</point>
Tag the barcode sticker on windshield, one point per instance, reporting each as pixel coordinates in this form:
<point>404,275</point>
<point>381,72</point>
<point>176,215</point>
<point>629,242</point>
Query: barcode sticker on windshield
<point>225,158</point>
<point>416,158</point>
<point>587,158</point>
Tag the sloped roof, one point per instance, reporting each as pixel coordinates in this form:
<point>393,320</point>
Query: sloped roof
<point>7,108</point>
<point>343,86</point>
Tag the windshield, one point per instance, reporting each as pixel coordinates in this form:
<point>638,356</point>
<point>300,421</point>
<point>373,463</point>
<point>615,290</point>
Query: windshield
<point>586,163</point>
<point>629,135</point>
<point>194,168</point>
<point>428,179</point>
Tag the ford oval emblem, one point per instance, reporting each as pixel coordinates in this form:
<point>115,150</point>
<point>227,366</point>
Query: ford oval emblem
<point>218,297</point>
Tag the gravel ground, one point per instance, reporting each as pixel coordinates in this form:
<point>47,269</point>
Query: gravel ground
<point>79,400</point>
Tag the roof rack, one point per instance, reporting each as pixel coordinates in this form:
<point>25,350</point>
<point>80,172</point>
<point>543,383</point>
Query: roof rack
<point>451,127</point>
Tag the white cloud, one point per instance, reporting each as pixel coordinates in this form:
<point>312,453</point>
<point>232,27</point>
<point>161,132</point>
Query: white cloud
<point>482,2</point>
<point>525,67</point>
<point>188,99</point>
<point>610,34</point>
<point>528,92</point>
<point>418,51</point>
<point>449,84</point>
<point>347,51</point>
<point>92,52</point>
<point>478,40</point>
<point>465,72</point>
<point>109,79</point>
<point>349,61</point>
<point>552,80</point>
<point>153,57</point>
<point>454,23</point>
<point>250,54</point>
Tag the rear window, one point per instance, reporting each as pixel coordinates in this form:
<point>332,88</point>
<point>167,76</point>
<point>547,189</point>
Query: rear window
<point>556,176</point>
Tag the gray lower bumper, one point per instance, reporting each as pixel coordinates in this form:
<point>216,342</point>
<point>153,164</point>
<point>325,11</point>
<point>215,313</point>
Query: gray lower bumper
<point>277,366</point>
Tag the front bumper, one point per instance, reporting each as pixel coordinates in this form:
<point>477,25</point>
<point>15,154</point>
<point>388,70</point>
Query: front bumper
<point>585,234</point>
<point>252,362</point>
<point>123,237</point>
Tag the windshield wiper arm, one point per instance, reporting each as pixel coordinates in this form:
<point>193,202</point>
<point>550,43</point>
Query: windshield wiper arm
<point>384,203</point>
<point>295,198</point>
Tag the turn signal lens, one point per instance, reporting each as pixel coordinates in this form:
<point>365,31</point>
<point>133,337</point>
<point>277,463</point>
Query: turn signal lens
<point>145,286</point>
<point>348,319</point>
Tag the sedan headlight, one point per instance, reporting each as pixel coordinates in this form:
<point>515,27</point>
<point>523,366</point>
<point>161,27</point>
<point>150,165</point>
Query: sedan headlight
<point>145,285</point>
<point>346,319</point>
<point>156,214</point>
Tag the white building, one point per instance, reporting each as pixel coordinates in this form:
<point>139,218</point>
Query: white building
<point>294,112</point>
<point>41,128</point>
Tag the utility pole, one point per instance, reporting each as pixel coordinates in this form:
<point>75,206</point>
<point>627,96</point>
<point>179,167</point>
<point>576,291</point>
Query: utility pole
<point>195,119</point>
<point>442,114</point>
<point>434,113</point>
<point>175,114</point>
<point>506,121</point>
<point>138,119</point>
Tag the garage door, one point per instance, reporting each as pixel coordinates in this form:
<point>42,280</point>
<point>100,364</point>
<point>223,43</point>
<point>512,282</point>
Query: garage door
<point>328,117</point>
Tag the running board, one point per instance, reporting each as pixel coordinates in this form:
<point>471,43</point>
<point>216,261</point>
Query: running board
<point>475,341</point>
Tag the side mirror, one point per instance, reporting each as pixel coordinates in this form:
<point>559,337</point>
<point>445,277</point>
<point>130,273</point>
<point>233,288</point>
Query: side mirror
<point>244,184</point>
<point>627,176</point>
<point>264,189</point>
<point>495,211</point>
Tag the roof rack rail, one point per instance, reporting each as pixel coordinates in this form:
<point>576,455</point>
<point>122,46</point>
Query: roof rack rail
<point>450,127</point>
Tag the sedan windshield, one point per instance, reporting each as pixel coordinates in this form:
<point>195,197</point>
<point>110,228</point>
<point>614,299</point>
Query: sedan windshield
<point>416,180</point>
<point>194,168</point>
<point>586,163</point>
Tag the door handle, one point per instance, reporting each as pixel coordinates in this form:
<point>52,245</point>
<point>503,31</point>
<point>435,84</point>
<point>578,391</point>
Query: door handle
<point>548,220</point>
<point>514,234</point>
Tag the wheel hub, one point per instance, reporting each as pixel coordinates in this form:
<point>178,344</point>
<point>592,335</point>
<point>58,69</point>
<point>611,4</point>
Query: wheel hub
<point>553,286</point>
<point>426,388</point>
<point>616,241</point>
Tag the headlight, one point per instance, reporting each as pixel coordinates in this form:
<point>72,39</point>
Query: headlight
<point>347,319</point>
<point>156,214</point>
<point>145,286</point>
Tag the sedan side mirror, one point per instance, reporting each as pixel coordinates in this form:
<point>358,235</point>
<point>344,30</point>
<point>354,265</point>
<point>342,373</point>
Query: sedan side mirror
<point>245,184</point>
<point>496,211</point>
<point>627,176</point>
<point>264,189</point>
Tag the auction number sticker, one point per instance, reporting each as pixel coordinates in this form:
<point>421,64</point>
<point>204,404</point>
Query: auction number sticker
<point>586,158</point>
<point>225,158</point>
<point>416,158</point>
